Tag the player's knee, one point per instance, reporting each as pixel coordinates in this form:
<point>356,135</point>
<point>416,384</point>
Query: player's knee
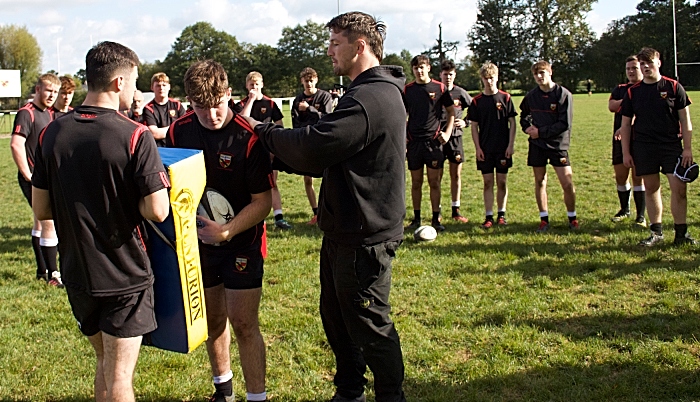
<point>245,328</point>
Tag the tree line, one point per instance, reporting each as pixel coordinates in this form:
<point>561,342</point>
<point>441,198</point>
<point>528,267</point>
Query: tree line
<point>510,33</point>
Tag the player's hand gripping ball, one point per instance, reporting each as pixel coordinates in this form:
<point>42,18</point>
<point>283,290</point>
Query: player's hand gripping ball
<point>215,207</point>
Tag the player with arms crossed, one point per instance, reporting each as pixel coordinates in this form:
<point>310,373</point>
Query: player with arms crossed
<point>454,148</point>
<point>424,99</point>
<point>493,131</point>
<point>662,134</point>
<point>360,148</point>
<point>622,172</point>
<point>237,167</point>
<point>307,108</point>
<point>546,116</point>
<point>262,108</point>
<point>162,111</point>
<point>98,174</point>
<point>30,120</point>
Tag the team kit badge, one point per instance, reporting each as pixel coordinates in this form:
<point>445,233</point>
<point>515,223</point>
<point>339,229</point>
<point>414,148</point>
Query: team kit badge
<point>664,94</point>
<point>562,161</point>
<point>456,102</point>
<point>173,113</point>
<point>432,95</point>
<point>553,106</point>
<point>263,110</point>
<point>499,106</point>
<point>224,160</point>
<point>241,263</point>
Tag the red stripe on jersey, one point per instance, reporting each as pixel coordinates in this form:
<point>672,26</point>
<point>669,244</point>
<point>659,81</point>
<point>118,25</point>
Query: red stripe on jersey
<point>180,121</point>
<point>164,179</point>
<point>41,135</point>
<point>18,128</point>
<point>507,95</point>
<point>135,136</point>
<point>263,245</point>
<point>138,230</point>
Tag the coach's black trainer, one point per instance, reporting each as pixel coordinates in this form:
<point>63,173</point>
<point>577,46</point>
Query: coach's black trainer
<point>654,239</point>
<point>339,398</point>
<point>621,215</point>
<point>685,240</point>
<point>415,224</point>
<point>437,225</point>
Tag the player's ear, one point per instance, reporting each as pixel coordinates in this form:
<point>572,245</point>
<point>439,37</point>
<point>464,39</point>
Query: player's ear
<point>119,83</point>
<point>361,45</point>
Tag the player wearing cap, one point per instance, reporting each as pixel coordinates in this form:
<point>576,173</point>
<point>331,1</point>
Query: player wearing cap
<point>237,167</point>
<point>662,134</point>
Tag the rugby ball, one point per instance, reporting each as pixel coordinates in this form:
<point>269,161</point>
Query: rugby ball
<point>425,233</point>
<point>215,207</point>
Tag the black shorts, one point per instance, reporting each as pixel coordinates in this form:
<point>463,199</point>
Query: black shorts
<point>539,157</point>
<point>26,187</point>
<point>240,269</point>
<point>649,157</point>
<point>424,152</point>
<point>498,161</point>
<point>454,150</point>
<point>124,316</point>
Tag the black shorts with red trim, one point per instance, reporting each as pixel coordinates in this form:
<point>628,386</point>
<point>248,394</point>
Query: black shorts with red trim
<point>424,152</point>
<point>540,157</point>
<point>236,269</point>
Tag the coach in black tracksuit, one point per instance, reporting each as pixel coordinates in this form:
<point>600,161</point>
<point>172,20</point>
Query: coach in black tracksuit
<point>360,148</point>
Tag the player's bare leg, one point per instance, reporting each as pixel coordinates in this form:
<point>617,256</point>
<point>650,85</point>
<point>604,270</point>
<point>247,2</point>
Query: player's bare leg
<point>119,356</point>
<point>100,386</point>
<point>219,336</point>
<point>652,183</point>
<point>280,222</point>
<point>565,176</point>
<point>456,191</point>
<point>488,192</point>
<point>679,199</point>
<point>434,179</point>
<point>311,196</point>
<point>540,174</point>
<point>416,192</point>
<point>243,306</point>
<point>502,191</point>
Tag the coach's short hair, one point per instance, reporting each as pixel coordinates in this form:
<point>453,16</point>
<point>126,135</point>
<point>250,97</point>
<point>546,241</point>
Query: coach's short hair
<point>632,58</point>
<point>541,65</point>
<point>488,69</point>
<point>648,54</point>
<point>308,73</point>
<point>420,59</point>
<point>355,24</point>
<point>48,78</point>
<point>447,65</point>
<point>67,84</point>
<point>105,61</point>
<point>206,83</point>
<point>253,75</point>
<point>160,77</point>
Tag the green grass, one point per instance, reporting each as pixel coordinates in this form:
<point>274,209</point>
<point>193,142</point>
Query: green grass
<point>507,315</point>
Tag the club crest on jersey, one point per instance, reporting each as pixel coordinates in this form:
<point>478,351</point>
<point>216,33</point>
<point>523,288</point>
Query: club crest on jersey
<point>499,105</point>
<point>241,263</point>
<point>553,106</point>
<point>664,94</point>
<point>432,95</point>
<point>263,110</point>
<point>173,113</point>
<point>504,162</point>
<point>435,163</point>
<point>562,161</point>
<point>224,160</point>
<point>456,102</point>
<point>317,105</point>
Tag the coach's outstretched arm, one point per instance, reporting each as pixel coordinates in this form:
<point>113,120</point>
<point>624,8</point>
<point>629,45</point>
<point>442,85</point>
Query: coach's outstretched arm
<point>315,148</point>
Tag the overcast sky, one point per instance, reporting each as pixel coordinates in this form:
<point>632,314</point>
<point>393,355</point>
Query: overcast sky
<point>67,29</point>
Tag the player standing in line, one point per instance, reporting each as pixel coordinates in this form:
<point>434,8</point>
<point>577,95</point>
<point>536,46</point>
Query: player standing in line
<point>307,109</point>
<point>136,109</point>
<point>29,121</point>
<point>546,116</point>
<point>493,131</point>
<point>262,108</point>
<point>162,111</point>
<point>622,172</point>
<point>454,148</point>
<point>662,136</point>
<point>361,150</point>
<point>424,99</point>
<point>238,167</point>
<point>65,97</point>
<point>100,214</point>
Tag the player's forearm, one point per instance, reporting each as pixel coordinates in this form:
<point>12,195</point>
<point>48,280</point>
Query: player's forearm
<point>625,135</point>
<point>614,105</point>
<point>155,206</point>
<point>250,215</point>
<point>248,108</point>
<point>511,140</point>
<point>475,134</point>
<point>159,133</point>
<point>19,155</point>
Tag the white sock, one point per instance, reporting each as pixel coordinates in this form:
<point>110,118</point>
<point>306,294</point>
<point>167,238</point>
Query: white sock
<point>489,213</point>
<point>543,214</point>
<point>256,397</point>
<point>276,212</point>
<point>626,187</point>
<point>36,233</point>
<point>220,379</point>
<point>570,214</point>
<point>48,242</point>
<point>639,188</point>
<point>455,203</point>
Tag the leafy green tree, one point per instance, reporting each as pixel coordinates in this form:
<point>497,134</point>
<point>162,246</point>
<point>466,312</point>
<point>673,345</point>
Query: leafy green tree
<point>19,50</point>
<point>499,36</point>
<point>265,59</point>
<point>403,60</point>
<point>199,42</point>
<point>146,71</point>
<point>305,46</point>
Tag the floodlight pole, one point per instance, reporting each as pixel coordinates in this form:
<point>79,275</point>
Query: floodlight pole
<point>341,76</point>
<point>58,56</point>
<point>675,49</point>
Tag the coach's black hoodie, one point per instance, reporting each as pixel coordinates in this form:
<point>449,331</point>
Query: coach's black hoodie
<point>360,150</point>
